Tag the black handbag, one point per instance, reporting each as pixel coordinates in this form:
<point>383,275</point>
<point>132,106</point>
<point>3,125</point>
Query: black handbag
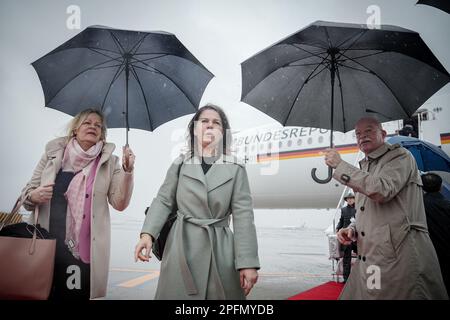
<point>25,230</point>
<point>160,241</point>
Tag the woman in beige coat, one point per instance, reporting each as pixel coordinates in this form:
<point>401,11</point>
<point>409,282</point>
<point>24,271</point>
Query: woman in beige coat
<point>203,258</point>
<point>71,185</point>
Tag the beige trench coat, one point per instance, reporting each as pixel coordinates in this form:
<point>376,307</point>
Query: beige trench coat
<point>111,184</point>
<point>202,255</point>
<point>396,258</point>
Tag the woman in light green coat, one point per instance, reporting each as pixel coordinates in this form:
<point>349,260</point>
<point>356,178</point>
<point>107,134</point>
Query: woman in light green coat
<point>203,258</point>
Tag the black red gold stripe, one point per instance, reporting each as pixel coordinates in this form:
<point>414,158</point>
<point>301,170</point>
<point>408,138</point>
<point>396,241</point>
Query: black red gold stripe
<point>305,153</point>
<point>445,138</point>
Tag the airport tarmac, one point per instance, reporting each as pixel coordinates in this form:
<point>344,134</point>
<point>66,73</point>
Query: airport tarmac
<point>293,252</point>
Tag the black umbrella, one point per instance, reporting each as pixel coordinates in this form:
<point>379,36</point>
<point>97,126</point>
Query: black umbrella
<point>386,73</point>
<point>443,5</point>
<point>138,79</point>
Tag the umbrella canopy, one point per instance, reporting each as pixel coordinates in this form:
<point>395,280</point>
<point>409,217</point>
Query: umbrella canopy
<point>386,73</point>
<point>138,79</point>
<point>443,5</point>
<point>428,156</point>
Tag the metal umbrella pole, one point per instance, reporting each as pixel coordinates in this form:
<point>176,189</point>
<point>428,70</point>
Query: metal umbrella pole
<point>332,52</point>
<point>127,75</point>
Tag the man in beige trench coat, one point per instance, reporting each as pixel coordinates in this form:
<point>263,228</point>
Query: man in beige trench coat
<point>396,258</point>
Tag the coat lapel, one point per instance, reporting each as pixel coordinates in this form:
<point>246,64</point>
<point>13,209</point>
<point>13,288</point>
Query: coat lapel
<point>55,158</point>
<point>55,152</point>
<point>107,151</point>
<point>193,169</point>
<point>218,174</point>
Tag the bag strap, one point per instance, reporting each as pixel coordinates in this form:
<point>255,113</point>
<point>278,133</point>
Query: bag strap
<point>14,211</point>
<point>33,241</point>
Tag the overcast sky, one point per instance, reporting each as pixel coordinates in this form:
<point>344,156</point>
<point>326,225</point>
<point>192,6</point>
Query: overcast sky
<point>221,34</point>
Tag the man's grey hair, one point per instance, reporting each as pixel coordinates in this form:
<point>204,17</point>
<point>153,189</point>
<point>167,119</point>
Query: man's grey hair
<point>371,120</point>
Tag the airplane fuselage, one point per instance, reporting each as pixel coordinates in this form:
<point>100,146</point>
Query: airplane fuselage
<point>279,161</point>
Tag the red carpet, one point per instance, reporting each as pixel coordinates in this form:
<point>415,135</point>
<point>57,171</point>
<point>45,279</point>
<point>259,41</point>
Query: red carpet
<point>327,291</point>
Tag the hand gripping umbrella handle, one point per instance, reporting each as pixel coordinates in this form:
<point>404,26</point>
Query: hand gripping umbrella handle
<point>328,179</point>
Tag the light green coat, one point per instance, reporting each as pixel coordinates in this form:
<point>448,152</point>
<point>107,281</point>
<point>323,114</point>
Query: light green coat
<point>202,255</point>
<point>394,246</point>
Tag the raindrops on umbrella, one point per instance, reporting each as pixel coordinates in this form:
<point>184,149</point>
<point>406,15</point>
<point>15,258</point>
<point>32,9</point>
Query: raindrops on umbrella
<point>120,72</point>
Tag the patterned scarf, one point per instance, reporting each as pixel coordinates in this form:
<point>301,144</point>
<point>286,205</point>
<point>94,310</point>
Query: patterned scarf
<point>80,162</point>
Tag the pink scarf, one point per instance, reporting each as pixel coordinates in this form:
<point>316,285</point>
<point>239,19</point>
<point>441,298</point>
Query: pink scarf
<point>81,163</point>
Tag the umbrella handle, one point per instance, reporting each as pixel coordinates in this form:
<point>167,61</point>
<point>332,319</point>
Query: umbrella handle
<point>328,179</point>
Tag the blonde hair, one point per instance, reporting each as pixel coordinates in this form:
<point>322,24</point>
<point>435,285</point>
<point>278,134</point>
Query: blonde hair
<point>80,117</point>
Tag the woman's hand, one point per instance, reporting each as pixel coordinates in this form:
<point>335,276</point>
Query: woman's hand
<point>128,158</point>
<point>42,194</point>
<point>145,243</point>
<point>248,279</point>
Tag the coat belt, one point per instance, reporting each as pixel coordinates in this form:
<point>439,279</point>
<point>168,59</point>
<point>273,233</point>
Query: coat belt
<point>207,224</point>
<point>421,227</point>
<point>417,226</point>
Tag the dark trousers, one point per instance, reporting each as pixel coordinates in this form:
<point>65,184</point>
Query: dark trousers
<point>71,277</point>
<point>347,261</point>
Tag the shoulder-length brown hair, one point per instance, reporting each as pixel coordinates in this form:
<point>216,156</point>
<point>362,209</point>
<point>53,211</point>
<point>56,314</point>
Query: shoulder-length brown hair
<point>226,138</point>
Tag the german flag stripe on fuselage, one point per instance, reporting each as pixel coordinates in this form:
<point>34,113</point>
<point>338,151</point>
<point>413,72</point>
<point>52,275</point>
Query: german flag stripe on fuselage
<point>445,138</point>
<point>306,153</point>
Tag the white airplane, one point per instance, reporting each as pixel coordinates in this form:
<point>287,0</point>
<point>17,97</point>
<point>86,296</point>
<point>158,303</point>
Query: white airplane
<point>279,159</point>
